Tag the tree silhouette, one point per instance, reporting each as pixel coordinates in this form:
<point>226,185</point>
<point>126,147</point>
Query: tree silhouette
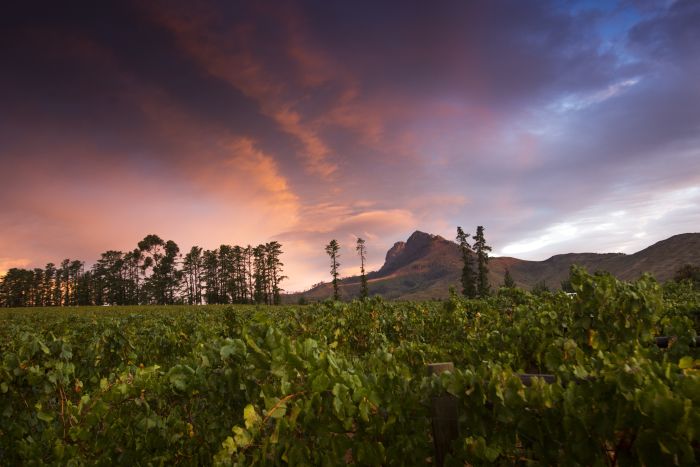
<point>540,288</point>
<point>362,251</point>
<point>508,281</point>
<point>483,289</point>
<point>155,272</point>
<point>273,251</point>
<point>468,278</point>
<point>333,251</point>
<point>192,268</point>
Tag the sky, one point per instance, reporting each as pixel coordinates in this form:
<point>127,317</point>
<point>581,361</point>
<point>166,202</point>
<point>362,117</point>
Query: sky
<point>560,126</point>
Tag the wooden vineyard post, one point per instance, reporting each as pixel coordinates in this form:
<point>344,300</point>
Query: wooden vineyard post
<point>444,416</point>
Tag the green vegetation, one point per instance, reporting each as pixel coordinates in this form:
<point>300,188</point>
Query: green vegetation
<point>508,281</point>
<point>468,278</point>
<point>333,252</point>
<point>689,273</point>
<point>474,284</point>
<point>338,383</point>
<point>481,249</point>
<point>540,288</point>
<point>153,273</point>
<point>362,253</point>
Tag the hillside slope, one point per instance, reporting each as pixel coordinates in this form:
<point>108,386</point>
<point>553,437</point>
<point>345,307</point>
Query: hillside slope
<point>425,266</point>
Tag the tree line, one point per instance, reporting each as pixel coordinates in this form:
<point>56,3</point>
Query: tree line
<point>153,273</point>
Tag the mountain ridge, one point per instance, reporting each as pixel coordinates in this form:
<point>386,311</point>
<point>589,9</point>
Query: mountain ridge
<point>425,266</point>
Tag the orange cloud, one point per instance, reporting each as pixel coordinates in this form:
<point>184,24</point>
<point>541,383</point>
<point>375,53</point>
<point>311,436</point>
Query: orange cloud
<point>217,162</point>
<point>238,66</point>
<point>8,263</point>
<point>252,176</point>
<point>215,188</point>
<point>316,150</point>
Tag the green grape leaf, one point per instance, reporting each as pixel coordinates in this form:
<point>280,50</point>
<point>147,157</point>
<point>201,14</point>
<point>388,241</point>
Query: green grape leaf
<point>251,417</point>
<point>686,362</point>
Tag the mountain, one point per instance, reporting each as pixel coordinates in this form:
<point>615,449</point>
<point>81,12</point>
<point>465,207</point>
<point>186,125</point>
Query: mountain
<point>425,266</point>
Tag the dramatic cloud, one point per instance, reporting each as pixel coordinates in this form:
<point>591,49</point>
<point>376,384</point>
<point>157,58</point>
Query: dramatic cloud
<point>560,126</point>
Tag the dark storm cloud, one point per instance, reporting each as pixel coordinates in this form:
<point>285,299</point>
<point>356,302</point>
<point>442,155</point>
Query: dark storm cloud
<point>491,53</point>
<point>638,134</point>
<point>305,120</point>
<point>671,35</point>
<point>84,68</point>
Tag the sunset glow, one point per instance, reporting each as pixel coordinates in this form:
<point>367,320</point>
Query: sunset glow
<point>559,126</point>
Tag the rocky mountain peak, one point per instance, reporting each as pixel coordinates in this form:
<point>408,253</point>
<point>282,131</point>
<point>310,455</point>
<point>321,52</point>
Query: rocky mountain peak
<point>418,244</point>
<point>394,252</point>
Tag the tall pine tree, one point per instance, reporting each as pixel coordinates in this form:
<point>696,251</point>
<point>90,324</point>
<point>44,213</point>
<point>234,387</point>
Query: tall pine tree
<point>192,269</point>
<point>483,289</point>
<point>468,278</point>
<point>153,273</point>
<point>273,251</point>
<point>333,251</point>
<point>362,252</point>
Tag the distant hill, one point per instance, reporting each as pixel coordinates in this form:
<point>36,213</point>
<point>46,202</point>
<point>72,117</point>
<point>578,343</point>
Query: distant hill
<point>425,266</point>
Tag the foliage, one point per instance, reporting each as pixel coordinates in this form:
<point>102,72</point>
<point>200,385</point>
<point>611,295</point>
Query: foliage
<point>468,277</point>
<point>508,280</point>
<point>333,251</point>
<point>362,253</point>
<point>689,273</point>
<point>153,273</point>
<point>481,249</point>
<point>566,286</point>
<point>339,383</point>
<point>540,288</point>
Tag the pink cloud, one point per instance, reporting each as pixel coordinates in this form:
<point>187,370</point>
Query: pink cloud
<point>239,66</point>
<point>8,263</point>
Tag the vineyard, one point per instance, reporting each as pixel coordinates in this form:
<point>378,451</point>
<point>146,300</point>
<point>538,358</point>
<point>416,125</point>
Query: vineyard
<point>346,383</point>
